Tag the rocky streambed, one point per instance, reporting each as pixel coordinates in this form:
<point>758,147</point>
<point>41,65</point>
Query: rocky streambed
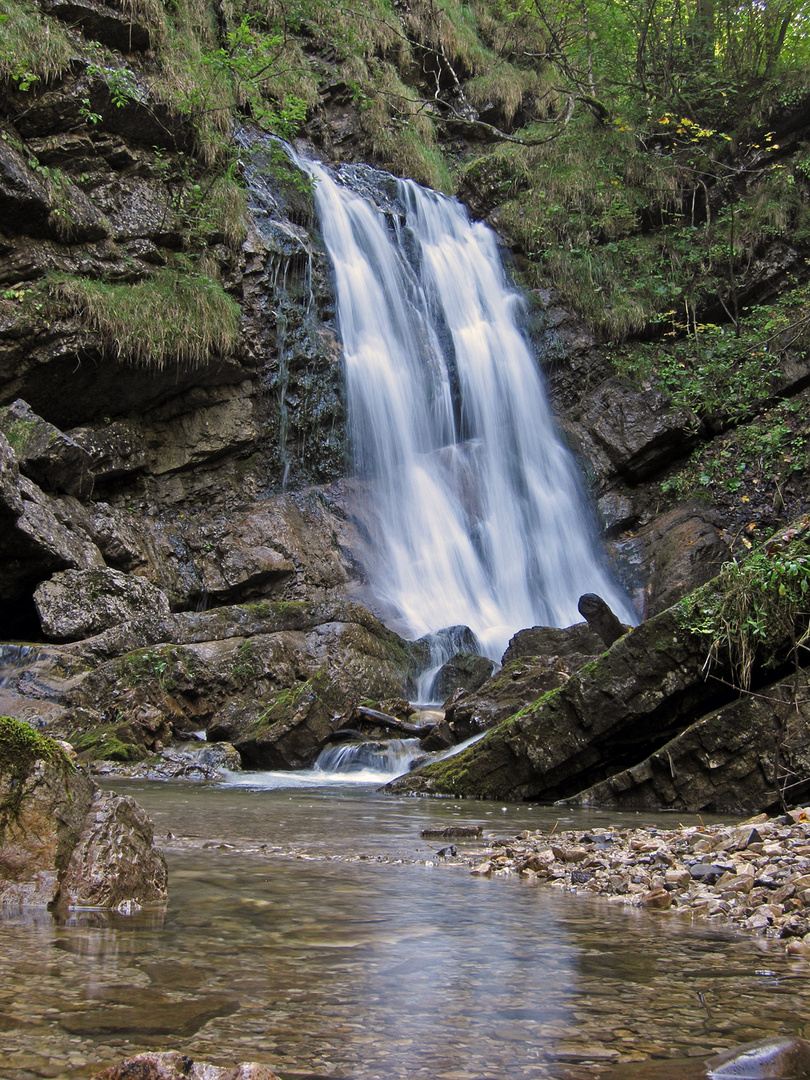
<point>754,874</point>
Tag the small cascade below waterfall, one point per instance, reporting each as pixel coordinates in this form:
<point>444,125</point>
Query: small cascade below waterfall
<point>14,660</point>
<point>442,646</point>
<point>387,759</point>
<point>480,517</point>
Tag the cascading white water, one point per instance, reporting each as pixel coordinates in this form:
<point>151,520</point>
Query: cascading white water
<point>481,515</point>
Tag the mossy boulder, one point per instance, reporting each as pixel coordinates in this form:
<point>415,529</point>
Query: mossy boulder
<point>63,841</point>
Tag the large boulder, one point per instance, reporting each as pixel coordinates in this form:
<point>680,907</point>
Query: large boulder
<point>76,604</point>
<point>45,454</point>
<point>64,842</point>
<point>463,671</point>
<point>537,660</point>
<point>39,534</point>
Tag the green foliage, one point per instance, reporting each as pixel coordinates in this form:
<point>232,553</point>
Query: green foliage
<point>754,460</point>
<point>33,49</point>
<point>17,430</point>
<point>177,314</point>
<point>756,609</point>
<point>712,372</point>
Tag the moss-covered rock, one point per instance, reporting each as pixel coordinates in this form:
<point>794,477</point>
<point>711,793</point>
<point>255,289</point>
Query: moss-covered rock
<point>62,840</point>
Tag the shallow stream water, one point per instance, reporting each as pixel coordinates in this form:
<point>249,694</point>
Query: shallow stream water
<point>312,928</point>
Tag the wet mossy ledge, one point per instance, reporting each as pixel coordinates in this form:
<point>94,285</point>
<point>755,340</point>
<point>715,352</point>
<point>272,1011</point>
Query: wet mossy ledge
<point>177,315</point>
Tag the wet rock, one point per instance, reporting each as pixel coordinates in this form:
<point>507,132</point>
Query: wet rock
<point>632,693</point>
<point>172,1065</point>
<point>45,454</point>
<point>155,1014</point>
<point>579,642</point>
<point>725,761</point>
<point>463,671</point>
<point>62,840</point>
<point>681,550</point>
<point>40,534</point>
<point>454,832</point>
<point>190,763</point>
<point>601,619</point>
<point>271,678</point>
<point>537,661</point>
<point>785,1059</point>
<point>708,873</point>
<point>79,603</point>
<point>629,433</point>
<point>221,756</point>
<point>661,869</point>
<point>441,737</point>
<point>114,861</point>
<point>115,29</point>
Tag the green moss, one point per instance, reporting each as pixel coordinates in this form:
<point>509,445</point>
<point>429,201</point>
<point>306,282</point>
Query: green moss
<point>20,747</point>
<point>106,744</point>
<point>17,431</point>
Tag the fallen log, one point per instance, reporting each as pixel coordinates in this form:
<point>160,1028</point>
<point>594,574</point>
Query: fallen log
<point>391,723</point>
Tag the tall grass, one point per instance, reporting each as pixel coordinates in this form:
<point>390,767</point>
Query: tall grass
<point>173,316</point>
<point>32,48</point>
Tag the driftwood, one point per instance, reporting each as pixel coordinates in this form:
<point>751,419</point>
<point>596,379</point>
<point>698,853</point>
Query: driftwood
<point>383,720</point>
<point>600,618</point>
<point>461,832</point>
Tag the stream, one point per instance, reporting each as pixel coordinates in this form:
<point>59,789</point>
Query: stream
<point>313,928</point>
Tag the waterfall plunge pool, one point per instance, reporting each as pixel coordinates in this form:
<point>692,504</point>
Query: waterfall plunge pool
<point>312,928</point>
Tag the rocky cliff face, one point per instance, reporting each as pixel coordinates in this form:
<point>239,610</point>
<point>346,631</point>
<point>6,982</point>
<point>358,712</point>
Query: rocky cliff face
<point>176,518</point>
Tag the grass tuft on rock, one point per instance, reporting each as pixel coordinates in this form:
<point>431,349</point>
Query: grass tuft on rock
<point>33,48</point>
<point>172,316</point>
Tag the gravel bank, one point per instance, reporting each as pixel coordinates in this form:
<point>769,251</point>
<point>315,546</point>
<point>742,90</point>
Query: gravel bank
<point>754,874</point>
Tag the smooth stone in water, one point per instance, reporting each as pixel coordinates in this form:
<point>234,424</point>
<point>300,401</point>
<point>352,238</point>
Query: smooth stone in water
<point>771,1059</point>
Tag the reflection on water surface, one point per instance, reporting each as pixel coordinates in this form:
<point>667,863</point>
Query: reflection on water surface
<point>319,933</point>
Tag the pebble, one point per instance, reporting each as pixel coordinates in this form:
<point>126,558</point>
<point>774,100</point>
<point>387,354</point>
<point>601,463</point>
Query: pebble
<point>754,875</point>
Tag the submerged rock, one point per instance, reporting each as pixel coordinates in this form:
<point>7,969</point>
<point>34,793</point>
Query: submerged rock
<point>176,1066</point>
<point>771,1059</point>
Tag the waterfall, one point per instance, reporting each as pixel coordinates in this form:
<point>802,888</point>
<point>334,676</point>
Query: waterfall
<point>480,514</point>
